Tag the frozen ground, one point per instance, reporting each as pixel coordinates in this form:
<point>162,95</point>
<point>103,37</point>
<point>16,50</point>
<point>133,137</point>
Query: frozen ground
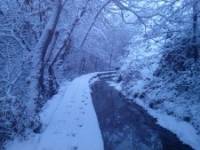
<point>69,119</point>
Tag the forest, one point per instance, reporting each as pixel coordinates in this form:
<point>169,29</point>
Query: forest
<point>99,75</point>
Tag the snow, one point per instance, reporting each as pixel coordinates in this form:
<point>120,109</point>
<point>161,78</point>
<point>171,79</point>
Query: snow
<point>115,85</point>
<point>184,131</point>
<point>69,119</point>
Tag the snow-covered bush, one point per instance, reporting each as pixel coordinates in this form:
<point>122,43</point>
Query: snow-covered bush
<point>174,86</point>
<point>16,40</point>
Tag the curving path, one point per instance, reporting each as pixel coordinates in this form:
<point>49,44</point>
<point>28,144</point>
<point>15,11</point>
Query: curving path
<point>70,121</point>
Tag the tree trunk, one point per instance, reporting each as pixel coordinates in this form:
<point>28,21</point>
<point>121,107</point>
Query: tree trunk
<point>195,30</point>
<point>52,83</point>
<point>37,75</point>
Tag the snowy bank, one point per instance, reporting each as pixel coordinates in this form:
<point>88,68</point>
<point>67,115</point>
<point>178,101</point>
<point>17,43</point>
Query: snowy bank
<point>184,131</point>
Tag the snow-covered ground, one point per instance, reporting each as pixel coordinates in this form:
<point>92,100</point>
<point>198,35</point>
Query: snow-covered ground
<point>69,119</point>
<point>184,130</point>
<point>70,122</point>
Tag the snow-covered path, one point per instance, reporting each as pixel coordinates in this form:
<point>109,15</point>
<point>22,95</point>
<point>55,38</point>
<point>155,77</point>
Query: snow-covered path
<point>70,119</point>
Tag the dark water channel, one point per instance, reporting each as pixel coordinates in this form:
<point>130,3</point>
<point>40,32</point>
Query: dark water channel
<point>127,126</point>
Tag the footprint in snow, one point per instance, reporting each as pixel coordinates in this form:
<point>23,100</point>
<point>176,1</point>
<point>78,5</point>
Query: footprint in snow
<point>85,96</point>
<point>80,125</point>
<point>75,148</point>
<point>83,112</point>
<point>73,135</point>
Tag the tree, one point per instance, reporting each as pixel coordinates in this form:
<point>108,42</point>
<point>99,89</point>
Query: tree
<point>40,52</point>
<point>195,11</point>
